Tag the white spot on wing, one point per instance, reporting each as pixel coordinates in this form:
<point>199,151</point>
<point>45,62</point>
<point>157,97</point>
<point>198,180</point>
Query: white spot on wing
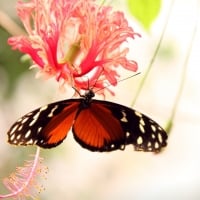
<point>156,145</point>
<point>139,140</point>
<point>142,122</point>
<point>112,146</point>
<point>160,138</point>
<point>41,141</point>
<point>35,117</point>
<point>138,114</point>
<point>52,111</point>
<point>127,134</point>
<point>141,128</point>
<point>14,129</point>
<point>18,137</point>
<point>149,144</point>
<point>20,127</point>
<point>39,129</point>
<point>14,142</point>
<point>24,120</point>
<point>153,128</point>
<point>30,141</point>
<point>19,120</point>
<point>43,108</point>
<point>27,134</point>
<point>124,119</point>
<point>12,137</point>
<point>29,114</point>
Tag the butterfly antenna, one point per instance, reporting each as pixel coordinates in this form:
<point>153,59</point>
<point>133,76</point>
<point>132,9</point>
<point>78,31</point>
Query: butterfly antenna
<point>76,91</point>
<point>118,81</point>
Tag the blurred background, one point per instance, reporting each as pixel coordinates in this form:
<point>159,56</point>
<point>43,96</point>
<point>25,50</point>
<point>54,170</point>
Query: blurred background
<point>75,173</point>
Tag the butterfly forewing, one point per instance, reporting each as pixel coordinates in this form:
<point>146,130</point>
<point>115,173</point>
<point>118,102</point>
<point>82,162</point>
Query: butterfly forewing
<point>46,126</point>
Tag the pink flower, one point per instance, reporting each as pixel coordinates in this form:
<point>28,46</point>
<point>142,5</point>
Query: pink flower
<point>24,182</point>
<point>76,41</point>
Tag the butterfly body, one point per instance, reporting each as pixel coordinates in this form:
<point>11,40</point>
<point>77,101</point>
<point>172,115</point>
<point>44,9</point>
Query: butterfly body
<point>96,125</point>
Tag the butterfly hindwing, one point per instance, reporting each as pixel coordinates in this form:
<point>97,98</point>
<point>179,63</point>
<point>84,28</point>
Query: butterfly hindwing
<point>44,126</point>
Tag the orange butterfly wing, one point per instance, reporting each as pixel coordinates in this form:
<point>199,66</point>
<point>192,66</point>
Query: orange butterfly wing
<point>47,126</point>
<point>96,129</point>
<point>59,126</point>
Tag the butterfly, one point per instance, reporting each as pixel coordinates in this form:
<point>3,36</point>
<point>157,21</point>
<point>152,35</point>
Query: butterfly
<point>96,125</point>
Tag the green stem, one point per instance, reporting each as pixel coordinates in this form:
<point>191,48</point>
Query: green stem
<point>139,89</point>
<point>184,73</point>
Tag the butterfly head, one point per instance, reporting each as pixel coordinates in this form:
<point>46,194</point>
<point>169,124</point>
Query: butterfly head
<point>87,97</point>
